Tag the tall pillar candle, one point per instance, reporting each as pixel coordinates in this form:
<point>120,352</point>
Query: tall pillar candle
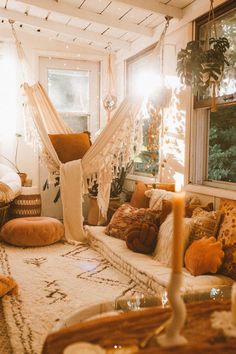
<point>178,233</point>
<point>233,303</point>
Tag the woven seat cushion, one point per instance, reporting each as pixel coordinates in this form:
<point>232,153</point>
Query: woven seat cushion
<point>32,231</point>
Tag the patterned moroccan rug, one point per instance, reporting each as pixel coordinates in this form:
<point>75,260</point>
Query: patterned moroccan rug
<point>54,282</point>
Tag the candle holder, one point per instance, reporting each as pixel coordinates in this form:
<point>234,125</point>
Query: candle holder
<point>172,336</point>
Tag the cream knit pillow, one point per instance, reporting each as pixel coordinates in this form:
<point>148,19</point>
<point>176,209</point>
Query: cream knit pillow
<point>163,251</point>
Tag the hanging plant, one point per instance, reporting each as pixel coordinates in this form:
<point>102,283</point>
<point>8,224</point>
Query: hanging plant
<point>200,67</point>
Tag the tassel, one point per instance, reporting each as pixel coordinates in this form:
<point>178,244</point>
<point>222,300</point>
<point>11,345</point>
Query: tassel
<point>213,98</point>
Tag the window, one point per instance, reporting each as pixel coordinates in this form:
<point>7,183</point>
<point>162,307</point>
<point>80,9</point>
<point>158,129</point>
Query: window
<point>213,134</point>
<point>222,145</point>
<point>69,91</point>
<point>73,86</point>
<point>225,27</point>
<point>140,78</point>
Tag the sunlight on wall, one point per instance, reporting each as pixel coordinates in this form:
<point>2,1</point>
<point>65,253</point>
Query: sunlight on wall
<point>8,92</point>
<point>173,138</point>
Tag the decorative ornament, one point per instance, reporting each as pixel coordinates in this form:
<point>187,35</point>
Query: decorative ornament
<point>110,101</point>
<point>202,68</point>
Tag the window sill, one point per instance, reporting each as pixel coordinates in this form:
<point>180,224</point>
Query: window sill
<point>145,179</point>
<point>215,192</point>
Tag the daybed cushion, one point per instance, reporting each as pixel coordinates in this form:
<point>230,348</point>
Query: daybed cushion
<point>32,231</point>
<point>144,270</point>
<point>10,184</point>
<point>70,147</point>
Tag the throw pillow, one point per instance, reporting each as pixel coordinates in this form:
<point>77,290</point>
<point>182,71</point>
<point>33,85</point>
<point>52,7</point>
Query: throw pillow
<point>229,264</point>
<point>127,216</point>
<point>227,231</point>
<point>142,238</point>
<point>7,285</point>
<point>206,223</point>
<point>139,199</point>
<point>156,196</point>
<point>189,208</point>
<point>204,256</point>
<point>70,147</point>
<point>163,251</point>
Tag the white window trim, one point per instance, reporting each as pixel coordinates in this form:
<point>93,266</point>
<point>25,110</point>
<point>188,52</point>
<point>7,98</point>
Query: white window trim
<point>198,161</point>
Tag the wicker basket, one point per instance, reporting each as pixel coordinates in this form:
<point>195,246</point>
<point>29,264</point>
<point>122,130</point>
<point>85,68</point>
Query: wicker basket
<point>3,213</point>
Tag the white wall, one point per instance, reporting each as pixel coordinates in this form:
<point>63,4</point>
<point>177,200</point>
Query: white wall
<point>36,46</point>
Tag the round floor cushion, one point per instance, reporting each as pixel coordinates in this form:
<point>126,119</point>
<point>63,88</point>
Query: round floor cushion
<point>32,231</point>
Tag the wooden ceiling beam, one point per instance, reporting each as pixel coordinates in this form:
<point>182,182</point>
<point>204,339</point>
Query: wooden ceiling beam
<point>154,6</point>
<point>72,31</point>
<point>73,12</point>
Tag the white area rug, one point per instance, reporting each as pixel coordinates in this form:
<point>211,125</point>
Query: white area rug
<point>53,282</point>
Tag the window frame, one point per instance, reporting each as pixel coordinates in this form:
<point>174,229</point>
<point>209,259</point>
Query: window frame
<point>137,175</point>
<point>199,130</point>
<point>93,67</point>
<point>219,11</point>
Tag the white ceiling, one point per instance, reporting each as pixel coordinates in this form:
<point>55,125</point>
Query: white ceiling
<point>97,23</point>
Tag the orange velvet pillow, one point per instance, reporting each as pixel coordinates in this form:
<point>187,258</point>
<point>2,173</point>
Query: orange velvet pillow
<point>142,237</point>
<point>204,256</point>
<point>70,147</point>
<point>139,199</point>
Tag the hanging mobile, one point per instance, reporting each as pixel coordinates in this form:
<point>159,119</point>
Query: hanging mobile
<point>110,101</point>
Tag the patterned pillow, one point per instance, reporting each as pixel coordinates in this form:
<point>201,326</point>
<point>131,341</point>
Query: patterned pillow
<point>227,232</point>
<point>163,251</point>
<point>126,216</point>
<point>229,264</point>
<point>206,223</point>
<point>6,193</point>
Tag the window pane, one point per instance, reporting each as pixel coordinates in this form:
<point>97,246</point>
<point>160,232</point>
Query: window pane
<point>222,145</point>
<point>75,121</point>
<point>225,27</point>
<point>69,90</point>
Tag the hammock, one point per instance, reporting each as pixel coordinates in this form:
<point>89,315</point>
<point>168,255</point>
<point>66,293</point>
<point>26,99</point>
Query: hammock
<point>112,150</point>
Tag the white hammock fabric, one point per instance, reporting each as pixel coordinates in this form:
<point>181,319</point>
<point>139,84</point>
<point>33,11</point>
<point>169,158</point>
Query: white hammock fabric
<point>112,150</point>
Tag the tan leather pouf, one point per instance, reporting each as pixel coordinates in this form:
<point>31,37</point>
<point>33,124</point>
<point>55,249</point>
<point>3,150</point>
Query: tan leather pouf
<point>32,231</point>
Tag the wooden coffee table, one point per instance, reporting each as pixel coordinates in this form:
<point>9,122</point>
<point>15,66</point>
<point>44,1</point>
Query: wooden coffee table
<point>130,328</point>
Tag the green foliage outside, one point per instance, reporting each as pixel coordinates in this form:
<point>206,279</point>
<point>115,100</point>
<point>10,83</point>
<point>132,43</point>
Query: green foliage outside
<point>222,145</point>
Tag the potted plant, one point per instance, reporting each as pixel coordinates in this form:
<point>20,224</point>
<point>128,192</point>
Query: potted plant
<point>22,175</point>
<point>201,68</point>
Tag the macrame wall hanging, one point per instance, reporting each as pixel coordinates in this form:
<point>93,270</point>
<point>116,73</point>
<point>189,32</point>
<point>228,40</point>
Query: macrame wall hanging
<point>110,101</point>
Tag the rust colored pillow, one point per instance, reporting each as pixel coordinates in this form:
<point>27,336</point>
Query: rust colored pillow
<point>204,256</point>
<point>126,216</point>
<point>70,147</point>
<point>229,264</point>
<point>227,231</point>
<point>142,238</point>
